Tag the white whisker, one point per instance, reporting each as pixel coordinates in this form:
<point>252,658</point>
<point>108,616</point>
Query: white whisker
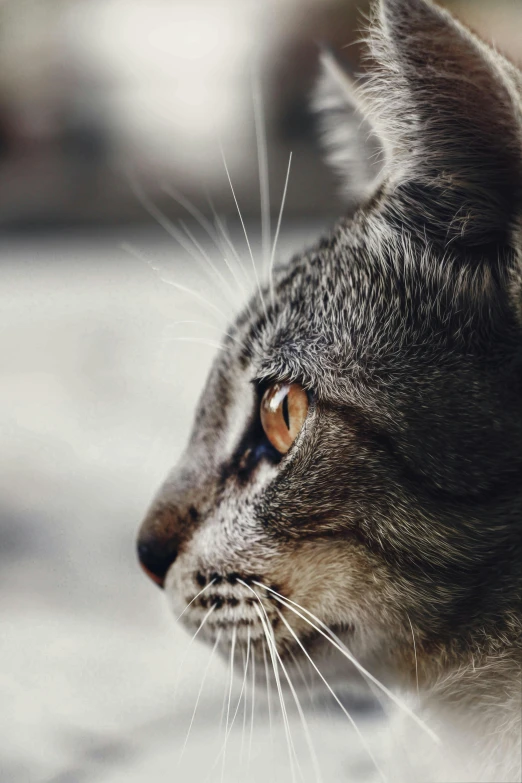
<point>206,225</point>
<point>313,756</point>
<point>245,233</point>
<point>165,223</point>
<point>230,725</point>
<point>262,164</point>
<point>245,704</point>
<point>268,700</point>
<point>339,702</point>
<point>226,285</point>
<point>202,623</point>
<point>133,251</point>
<point>223,707</point>
<point>221,720</point>
<point>415,653</point>
<point>232,651</point>
<point>223,232</point>
<point>291,749</point>
<point>200,340</point>
<point>201,323</point>
<point>303,677</point>
<point>158,215</point>
<point>211,657</point>
<point>338,644</point>
<point>189,645</point>
<point>252,710</point>
<point>194,599</point>
<point>278,228</point>
<point>198,216</point>
<point>243,684</point>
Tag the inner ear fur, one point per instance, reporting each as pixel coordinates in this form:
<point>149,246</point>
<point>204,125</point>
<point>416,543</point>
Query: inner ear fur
<point>352,146</point>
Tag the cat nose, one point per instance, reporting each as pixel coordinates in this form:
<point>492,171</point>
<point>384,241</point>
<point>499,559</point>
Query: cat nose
<point>158,542</point>
<point>161,535</point>
<point>156,557</point>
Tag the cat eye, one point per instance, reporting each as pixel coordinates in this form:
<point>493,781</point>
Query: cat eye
<point>284,408</point>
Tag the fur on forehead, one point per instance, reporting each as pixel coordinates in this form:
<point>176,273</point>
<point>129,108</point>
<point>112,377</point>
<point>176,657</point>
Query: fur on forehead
<point>359,302</point>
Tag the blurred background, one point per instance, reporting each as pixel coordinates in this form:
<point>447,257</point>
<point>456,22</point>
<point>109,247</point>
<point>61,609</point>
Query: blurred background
<point>112,117</point>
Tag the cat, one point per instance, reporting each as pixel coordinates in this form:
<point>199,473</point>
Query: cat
<point>353,478</point>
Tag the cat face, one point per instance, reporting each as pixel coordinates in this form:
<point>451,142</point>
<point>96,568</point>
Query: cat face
<point>356,454</point>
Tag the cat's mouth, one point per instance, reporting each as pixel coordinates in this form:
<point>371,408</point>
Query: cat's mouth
<point>239,610</point>
<point>232,605</point>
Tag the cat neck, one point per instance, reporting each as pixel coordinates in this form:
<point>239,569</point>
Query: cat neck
<point>476,710</point>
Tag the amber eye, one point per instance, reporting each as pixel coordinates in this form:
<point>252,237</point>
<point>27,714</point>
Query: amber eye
<point>283,410</point>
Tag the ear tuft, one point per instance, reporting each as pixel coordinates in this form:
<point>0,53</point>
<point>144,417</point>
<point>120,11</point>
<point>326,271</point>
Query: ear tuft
<point>349,139</point>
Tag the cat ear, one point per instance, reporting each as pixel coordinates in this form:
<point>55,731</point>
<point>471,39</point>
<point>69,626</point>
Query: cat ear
<point>347,134</point>
<point>449,111</point>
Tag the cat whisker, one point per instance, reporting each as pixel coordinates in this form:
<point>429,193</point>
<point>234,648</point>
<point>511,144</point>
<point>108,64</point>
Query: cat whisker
<point>226,238</point>
<point>302,675</point>
<point>200,340</point>
<point>155,212</point>
<point>207,325</point>
<point>229,726</point>
<point>274,652</point>
<point>207,227</point>
<point>223,706</point>
<point>223,232</point>
<point>243,684</point>
<point>133,251</point>
<point>262,164</point>
<point>202,623</point>
<point>313,756</point>
<point>228,680</point>
<point>338,644</point>
<point>245,705</point>
<point>336,698</point>
<point>246,234</point>
<point>187,649</point>
<point>232,651</point>
<point>226,285</point>
<point>278,228</point>
<point>252,710</point>
<point>268,700</point>
<point>291,749</point>
<point>203,680</point>
<point>198,216</point>
<point>304,722</point>
<point>207,587</point>
<point>415,653</point>
<point>260,609</point>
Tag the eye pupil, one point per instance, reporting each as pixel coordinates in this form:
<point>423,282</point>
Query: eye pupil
<point>286,413</point>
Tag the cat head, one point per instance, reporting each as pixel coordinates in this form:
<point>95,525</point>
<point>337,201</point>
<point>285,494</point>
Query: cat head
<point>357,448</point>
